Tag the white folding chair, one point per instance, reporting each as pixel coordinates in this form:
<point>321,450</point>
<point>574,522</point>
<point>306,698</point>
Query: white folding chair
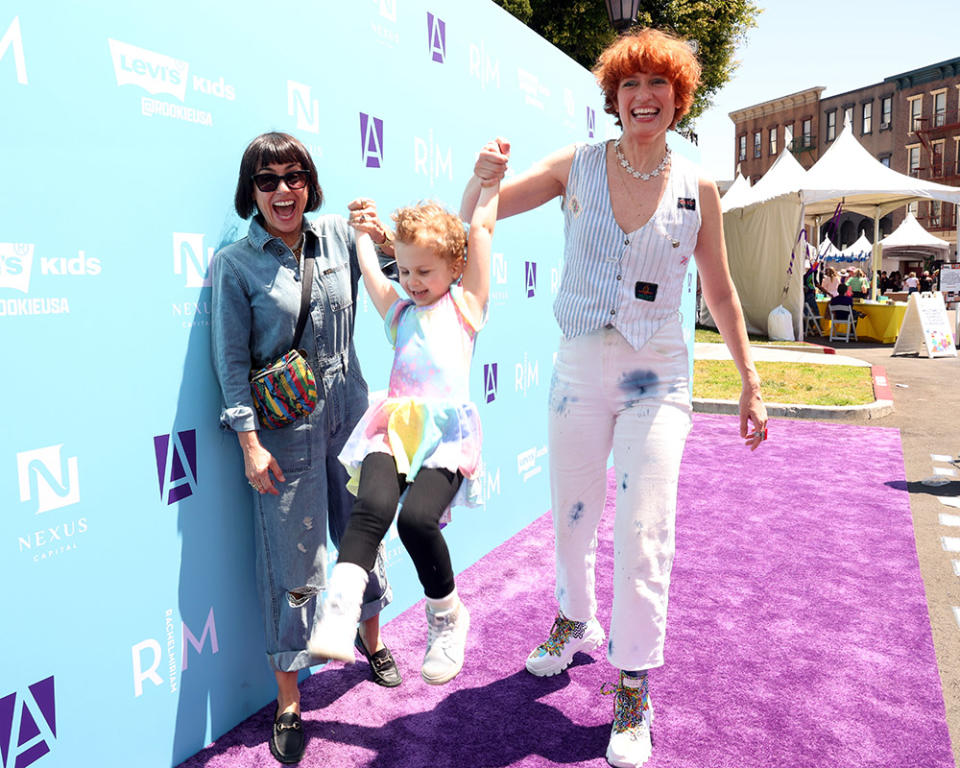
<point>844,316</point>
<point>811,322</point>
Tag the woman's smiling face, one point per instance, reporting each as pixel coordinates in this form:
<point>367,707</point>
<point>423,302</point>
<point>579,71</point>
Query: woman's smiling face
<point>283,208</point>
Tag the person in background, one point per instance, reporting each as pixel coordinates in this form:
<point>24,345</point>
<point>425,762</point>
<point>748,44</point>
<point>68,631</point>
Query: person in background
<point>298,488</point>
<point>925,282</point>
<point>830,281</point>
<point>858,284</point>
<point>911,283</point>
<point>634,215</point>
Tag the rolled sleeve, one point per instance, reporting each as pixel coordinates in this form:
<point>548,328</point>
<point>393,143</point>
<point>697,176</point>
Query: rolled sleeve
<point>231,325</point>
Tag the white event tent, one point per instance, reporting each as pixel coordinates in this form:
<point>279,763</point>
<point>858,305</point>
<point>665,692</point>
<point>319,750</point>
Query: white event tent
<point>761,231</point>
<point>908,240</point>
<point>737,191</point>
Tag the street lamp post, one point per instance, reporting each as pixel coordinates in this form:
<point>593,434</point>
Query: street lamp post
<point>622,13</point>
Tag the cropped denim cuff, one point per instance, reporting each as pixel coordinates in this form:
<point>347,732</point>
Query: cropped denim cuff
<point>240,418</point>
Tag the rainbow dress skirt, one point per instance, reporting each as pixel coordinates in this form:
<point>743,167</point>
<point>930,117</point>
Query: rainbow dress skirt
<point>426,418</point>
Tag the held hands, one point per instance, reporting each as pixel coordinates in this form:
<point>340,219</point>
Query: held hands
<point>363,218</point>
<point>752,411</point>
<point>258,463</point>
<point>491,165</point>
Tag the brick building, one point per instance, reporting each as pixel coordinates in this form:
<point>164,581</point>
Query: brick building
<point>909,122</point>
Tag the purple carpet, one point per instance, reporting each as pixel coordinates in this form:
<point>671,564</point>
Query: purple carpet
<point>798,634</point>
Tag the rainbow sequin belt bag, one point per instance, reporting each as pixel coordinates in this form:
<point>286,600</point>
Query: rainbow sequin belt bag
<point>286,389</point>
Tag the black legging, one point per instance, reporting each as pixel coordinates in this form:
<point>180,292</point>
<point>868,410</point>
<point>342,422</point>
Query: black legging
<point>418,522</point>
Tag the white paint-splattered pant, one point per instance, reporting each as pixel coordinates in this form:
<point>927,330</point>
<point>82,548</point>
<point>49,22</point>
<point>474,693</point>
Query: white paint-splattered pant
<point>604,394</point>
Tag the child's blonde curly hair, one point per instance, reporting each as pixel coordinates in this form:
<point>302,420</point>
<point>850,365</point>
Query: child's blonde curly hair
<point>429,223</point>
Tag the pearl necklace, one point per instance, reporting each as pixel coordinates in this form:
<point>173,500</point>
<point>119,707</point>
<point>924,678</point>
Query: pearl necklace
<point>633,171</point>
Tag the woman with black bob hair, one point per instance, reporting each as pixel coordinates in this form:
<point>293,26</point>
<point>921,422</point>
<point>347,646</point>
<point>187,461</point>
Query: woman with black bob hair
<point>297,484</point>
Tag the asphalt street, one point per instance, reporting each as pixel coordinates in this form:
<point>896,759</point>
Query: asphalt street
<point>926,398</point>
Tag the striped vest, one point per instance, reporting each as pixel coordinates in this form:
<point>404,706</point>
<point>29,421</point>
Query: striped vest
<point>608,274</point>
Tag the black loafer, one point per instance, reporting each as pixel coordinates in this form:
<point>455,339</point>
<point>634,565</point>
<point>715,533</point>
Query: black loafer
<point>383,668</point>
<point>287,741</point>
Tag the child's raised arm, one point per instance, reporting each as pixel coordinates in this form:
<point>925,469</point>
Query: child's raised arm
<point>381,290</point>
<point>476,273</point>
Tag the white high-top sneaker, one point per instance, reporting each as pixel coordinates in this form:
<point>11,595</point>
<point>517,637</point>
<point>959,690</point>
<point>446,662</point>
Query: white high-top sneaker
<point>566,638</point>
<point>630,741</point>
<point>332,636</point>
<point>447,629</point>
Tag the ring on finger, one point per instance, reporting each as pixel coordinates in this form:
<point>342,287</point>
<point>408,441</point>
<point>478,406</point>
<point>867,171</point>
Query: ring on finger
<point>362,218</point>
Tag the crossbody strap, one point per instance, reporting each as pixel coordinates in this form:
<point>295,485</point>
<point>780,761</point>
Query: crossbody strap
<point>307,274</point>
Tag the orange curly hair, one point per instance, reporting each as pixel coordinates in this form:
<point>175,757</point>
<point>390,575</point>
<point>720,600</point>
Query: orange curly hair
<point>431,224</point>
<point>654,52</point>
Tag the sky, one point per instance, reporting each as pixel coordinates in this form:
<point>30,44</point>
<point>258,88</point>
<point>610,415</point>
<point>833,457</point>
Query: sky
<point>838,44</point>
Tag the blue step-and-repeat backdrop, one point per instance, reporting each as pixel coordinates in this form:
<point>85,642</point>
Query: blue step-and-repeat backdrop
<point>130,621</point>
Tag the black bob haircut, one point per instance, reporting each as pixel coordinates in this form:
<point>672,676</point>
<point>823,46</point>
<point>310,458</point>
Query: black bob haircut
<point>268,148</point>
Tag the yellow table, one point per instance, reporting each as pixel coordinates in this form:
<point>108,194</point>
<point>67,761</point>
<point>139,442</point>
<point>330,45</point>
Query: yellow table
<point>881,321</point>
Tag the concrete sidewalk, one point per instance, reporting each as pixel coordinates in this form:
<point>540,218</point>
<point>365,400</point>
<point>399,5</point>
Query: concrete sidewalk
<point>813,354</point>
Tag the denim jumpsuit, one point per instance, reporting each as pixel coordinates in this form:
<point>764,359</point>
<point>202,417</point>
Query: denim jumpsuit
<point>256,301</point>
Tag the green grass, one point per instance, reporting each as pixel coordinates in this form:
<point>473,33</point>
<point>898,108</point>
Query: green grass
<point>793,383</point>
<point>710,336</point>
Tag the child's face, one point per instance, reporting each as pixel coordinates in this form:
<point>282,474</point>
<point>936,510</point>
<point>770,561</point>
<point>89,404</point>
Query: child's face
<point>424,275</point>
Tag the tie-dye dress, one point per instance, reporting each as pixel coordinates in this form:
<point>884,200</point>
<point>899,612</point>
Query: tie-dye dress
<point>426,418</point>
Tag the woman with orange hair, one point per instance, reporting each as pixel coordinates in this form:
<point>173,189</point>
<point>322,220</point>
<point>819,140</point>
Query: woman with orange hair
<point>634,214</point>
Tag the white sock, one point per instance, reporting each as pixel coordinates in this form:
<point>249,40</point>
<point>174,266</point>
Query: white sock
<point>349,579</point>
<point>444,604</point>
<point>632,682</point>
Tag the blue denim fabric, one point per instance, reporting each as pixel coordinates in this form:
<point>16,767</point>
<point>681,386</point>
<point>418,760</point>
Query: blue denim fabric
<point>256,300</point>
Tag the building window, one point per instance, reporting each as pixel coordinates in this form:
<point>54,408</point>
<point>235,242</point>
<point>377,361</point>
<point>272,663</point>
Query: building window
<point>939,108</point>
<point>885,160</point>
<point>831,125</point>
<point>807,132</point>
<point>886,112</point>
<point>757,144</point>
<point>867,118</point>
<point>773,142</point>
<point>916,110</point>
<point>936,212</point>
<point>913,207</point>
<point>742,151</point>
<point>788,136</point>
<point>913,160</point>
<point>936,157</point>
<point>847,117</point>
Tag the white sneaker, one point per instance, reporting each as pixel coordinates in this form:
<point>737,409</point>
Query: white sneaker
<point>332,637</point>
<point>566,638</point>
<point>446,643</point>
<point>630,742</point>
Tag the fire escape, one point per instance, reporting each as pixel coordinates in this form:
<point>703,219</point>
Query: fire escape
<point>939,169</point>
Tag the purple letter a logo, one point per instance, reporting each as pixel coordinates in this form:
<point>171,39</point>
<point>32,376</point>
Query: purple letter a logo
<point>437,37</point>
<point>371,140</point>
<point>176,468</point>
<point>37,716</point>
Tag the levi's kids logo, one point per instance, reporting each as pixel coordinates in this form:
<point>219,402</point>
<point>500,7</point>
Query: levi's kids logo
<point>687,203</point>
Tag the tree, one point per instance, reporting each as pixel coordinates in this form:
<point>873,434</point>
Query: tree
<point>581,29</point>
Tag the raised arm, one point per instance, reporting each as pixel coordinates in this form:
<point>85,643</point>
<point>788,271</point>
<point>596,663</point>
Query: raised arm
<point>381,290</point>
<point>476,273</point>
<point>721,298</point>
<point>543,181</point>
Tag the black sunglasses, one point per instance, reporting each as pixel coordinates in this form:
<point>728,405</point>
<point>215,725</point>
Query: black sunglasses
<point>267,182</point>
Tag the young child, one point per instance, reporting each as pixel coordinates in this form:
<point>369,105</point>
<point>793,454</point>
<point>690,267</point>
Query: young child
<point>424,437</point>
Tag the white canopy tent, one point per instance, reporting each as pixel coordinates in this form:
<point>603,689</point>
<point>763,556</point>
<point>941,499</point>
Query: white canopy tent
<point>860,250</point>
<point>761,234</point>
<point>908,240</point>
<point>737,192</point>
<point>828,251</point>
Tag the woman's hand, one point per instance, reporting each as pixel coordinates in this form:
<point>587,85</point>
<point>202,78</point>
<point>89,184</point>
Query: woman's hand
<point>258,463</point>
<point>491,165</point>
<point>363,218</point>
<point>752,411</point>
